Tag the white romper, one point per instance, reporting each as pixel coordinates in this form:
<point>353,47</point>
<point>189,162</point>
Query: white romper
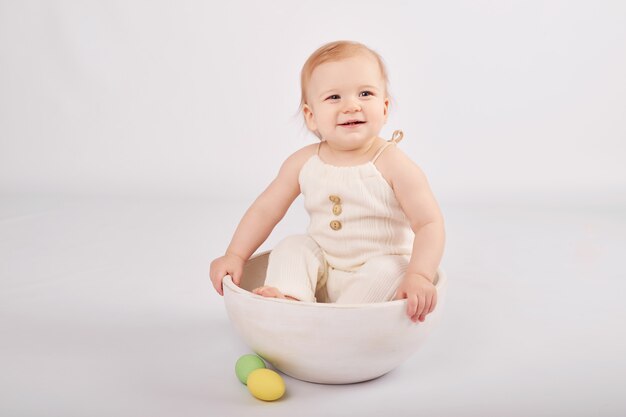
<point>358,242</point>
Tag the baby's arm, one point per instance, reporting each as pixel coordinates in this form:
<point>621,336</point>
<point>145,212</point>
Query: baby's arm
<point>418,203</point>
<point>259,220</point>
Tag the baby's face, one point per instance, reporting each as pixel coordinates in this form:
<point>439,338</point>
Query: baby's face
<point>345,90</point>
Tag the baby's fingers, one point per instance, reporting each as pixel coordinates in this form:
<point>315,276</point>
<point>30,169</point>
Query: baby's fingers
<point>217,284</point>
<point>411,305</point>
<point>433,303</point>
<point>236,275</point>
<point>421,301</point>
<point>216,280</point>
<point>427,308</point>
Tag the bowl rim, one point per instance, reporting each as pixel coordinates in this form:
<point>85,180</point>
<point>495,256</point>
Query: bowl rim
<point>227,282</point>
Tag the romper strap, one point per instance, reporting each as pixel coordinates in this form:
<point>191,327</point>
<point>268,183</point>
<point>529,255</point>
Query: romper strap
<point>395,138</point>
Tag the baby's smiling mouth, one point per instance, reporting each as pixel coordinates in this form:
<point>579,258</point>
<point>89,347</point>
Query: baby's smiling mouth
<point>352,122</point>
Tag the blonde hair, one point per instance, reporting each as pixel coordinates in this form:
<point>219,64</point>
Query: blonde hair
<point>336,51</point>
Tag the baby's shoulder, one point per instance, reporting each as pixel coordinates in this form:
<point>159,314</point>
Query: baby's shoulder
<point>306,151</point>
<point>394,158</point>
<point>303,154</point>
<point>394,163</point>
<point>294,162</point>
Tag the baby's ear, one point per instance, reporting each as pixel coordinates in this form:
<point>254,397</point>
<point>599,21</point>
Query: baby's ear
<point>309,118</point>
<point>386,109</point>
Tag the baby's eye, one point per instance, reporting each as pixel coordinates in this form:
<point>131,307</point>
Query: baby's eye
<point>333,97</point>
<point>367,93</point>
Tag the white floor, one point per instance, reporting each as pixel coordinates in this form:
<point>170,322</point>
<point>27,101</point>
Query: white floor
<point>106,310</point>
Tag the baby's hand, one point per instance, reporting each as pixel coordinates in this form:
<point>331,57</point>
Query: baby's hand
<point>228,264</point>
<point>420,293</point>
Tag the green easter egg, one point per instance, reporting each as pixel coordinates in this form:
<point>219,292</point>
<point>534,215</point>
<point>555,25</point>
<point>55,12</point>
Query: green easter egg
<point>247,364</point>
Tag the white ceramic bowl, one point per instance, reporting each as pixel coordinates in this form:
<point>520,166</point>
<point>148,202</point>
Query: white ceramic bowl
<point>320,342</point>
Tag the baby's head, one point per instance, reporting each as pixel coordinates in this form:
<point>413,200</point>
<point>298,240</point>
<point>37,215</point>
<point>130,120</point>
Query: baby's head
<point>343,77</point>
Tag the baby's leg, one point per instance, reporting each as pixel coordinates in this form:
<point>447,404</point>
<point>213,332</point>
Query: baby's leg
<point>376,281</point>
<point>296,269</point>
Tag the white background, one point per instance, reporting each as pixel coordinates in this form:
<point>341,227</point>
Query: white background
<point>133,135</point>
<point>188,96</point>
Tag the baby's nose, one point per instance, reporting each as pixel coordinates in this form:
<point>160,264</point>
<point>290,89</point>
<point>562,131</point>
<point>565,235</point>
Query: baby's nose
<point>351,106</point>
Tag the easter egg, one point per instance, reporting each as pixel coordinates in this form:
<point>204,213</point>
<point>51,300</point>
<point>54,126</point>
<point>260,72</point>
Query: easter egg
<point>266,384</point>
<point>247,364</point>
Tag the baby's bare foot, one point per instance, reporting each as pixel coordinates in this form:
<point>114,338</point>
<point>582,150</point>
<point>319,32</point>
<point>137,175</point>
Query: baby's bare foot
<point>272,292</point>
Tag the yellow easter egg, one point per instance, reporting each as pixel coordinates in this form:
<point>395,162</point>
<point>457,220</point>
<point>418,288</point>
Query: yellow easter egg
<point>266,384</point>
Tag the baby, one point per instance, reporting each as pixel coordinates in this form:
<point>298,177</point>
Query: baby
<point>376,232</point>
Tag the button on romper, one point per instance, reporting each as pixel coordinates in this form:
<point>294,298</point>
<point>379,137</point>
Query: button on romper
<point>358,242</point>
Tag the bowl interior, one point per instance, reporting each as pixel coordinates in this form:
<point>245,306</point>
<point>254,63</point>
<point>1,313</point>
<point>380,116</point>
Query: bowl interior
<point>254,271</point>
<point>255,268</point>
